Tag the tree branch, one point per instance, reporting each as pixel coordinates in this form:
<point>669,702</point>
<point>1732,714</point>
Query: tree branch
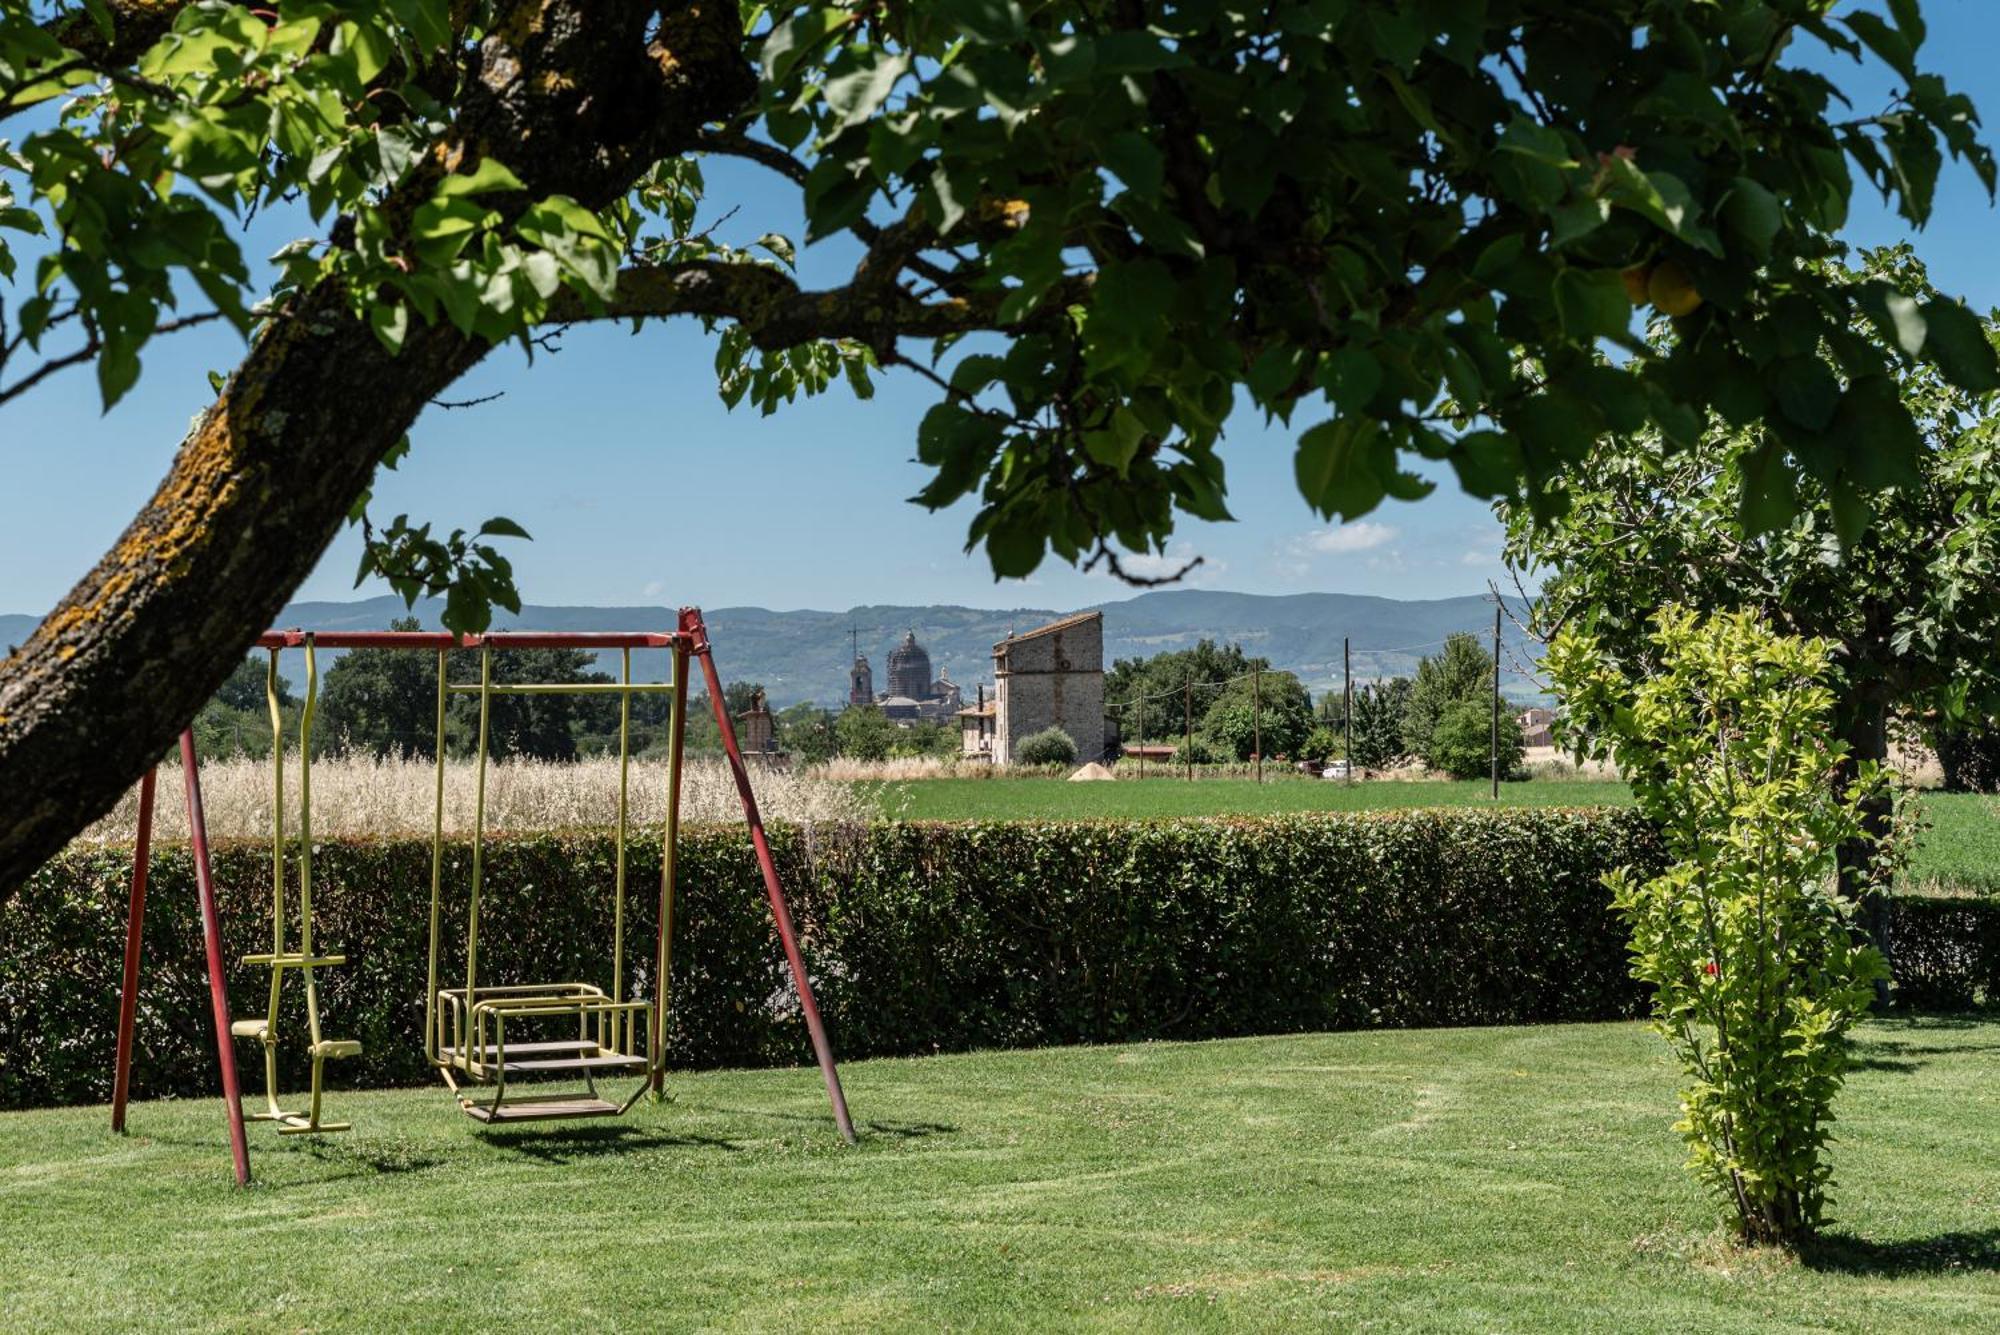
<point>88,352</point>
<point>777,313</point>
<point>569,96</point>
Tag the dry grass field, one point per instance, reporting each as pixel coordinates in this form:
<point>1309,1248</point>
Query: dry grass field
<point>360,795</point>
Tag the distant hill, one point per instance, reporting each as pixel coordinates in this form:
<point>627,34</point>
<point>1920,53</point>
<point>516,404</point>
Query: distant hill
<point>803,655</point>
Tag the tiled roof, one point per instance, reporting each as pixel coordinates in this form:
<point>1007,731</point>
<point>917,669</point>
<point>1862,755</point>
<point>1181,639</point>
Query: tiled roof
<point>1064,623</point>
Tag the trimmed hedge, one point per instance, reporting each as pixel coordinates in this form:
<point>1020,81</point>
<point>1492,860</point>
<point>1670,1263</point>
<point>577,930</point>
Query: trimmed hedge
<point>921,937</point>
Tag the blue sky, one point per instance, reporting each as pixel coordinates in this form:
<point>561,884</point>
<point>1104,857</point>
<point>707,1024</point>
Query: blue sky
<point>641,488</point>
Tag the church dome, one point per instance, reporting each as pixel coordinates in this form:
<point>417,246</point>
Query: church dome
<point>910,669</point>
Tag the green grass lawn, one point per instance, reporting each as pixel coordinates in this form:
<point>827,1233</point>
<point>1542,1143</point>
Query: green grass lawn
<point>1500,1179</point>
<point>1059,799</point>
<point>1959,852</point>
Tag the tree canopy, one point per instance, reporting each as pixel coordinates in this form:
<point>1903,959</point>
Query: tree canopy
<point>1405,228</point>
<point>1461,671</point>
<point>1911,606</point>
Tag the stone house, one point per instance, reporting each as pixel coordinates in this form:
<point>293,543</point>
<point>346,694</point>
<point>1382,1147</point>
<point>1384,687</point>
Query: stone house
<point>1051,676</point>
<point>1537,726</point>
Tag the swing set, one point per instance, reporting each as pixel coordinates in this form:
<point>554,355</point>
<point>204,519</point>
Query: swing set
<point>568,1031</point>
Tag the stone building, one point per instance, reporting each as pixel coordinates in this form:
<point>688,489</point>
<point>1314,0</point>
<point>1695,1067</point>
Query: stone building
<point>975,729</point>
<point>1537,726</point>
<point>1050,677</point>
<point>910,669</point>
<point>913,695</point>
<point>860,681</point>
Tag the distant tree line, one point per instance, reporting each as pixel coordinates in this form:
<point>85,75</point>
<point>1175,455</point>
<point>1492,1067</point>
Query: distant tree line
<point>1228,698</point>
<point>383,702</point>
<point>1443,716</point>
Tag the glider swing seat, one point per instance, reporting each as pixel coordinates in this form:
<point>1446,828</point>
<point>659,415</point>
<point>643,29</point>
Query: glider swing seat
<point>493,1044</point>
<point>467,1026</point>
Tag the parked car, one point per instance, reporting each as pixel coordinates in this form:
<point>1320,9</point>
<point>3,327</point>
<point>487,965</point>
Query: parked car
<point>1335,769</point>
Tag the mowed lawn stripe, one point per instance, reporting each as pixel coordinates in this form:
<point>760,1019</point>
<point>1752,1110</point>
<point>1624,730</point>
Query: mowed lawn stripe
<point>1514,1179</point>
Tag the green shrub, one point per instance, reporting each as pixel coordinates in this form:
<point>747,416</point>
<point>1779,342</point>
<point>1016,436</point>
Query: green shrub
<point>1461,744</point>
<point>1321,743</point>
<point>1273,708</point>
<point>921,937</point>
<point>863,732</point>
<point>1050,746</point>
<point>1745,936</point>
<point>1197,750</point>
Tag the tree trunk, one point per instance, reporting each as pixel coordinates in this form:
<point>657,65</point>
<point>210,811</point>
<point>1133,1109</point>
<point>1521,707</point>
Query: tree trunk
<point>260,486</point>
<point>575,99</point>
<point>1867,736</point>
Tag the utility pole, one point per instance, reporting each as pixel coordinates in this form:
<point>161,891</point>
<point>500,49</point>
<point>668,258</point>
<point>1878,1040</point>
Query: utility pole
<point>1496,699</point>
<point>1187,726</point>
<point>1257,719</point>
<point>1347,706</point>
<point>1142,729</point>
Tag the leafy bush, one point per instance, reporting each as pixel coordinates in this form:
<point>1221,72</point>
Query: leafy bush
<point>1462,670</point>
<point>1197,750</point>
<point>1461,744</point>
<point>1272,706</point>
<point>1321,743</point>
<point>1744,937</point>
<point>1377,725</point>
<point>1050,746</point>
<point>863,732</point>
<point>921,937</point>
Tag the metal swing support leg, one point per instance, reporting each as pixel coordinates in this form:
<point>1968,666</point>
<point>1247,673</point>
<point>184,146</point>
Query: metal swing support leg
<point>135,924</point>
<point>691,625</point>
<point>211,940</point>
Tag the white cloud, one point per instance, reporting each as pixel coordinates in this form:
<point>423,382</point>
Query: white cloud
<point>1478,556</point>
<point>1361,536</point>
<point>653,589</point>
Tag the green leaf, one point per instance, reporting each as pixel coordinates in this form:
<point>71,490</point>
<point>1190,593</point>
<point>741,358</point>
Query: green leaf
<point>502,527</point>
<point>1753,216</point>
<point>856,95</point>
<point>1886,42</point>
<point>1015,547</point>
<point>391,323</point>
<point>779,246</point>
<point>1958,342</point>
<point>1662,197</point>
<point>1137,161</point>
<point>1807,391</point>
<point>489,174</point>
<point>1767,499</point>
<point>1351,378</point>
<point>1591,303</point>
<point>1530,162</point>
<point>1118,443</point>
<point>1488,463</point>
<point>1336,466</point>
<point>995,22</point>
<point>793,39</point>
<point>117,366</point>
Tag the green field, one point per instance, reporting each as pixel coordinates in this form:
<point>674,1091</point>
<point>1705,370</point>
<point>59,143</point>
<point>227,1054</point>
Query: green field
<point>1499,1179</point>
<point>1059,799</point>
<point>1958,852</point>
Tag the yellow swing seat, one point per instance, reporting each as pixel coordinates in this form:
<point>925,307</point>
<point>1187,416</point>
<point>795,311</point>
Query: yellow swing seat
<point>263,1029</point>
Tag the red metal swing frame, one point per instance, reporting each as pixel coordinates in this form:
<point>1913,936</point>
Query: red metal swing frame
<point>691,637</point>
